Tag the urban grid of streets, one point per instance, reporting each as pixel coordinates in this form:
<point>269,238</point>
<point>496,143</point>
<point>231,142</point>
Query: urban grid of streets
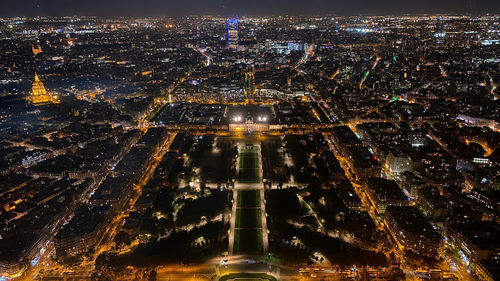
<point>243,113</point>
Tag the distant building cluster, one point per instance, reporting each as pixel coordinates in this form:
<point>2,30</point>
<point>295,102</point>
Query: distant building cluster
<point>370,145</point>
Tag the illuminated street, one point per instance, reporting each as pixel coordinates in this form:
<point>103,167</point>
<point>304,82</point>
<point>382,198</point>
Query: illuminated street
<point>262,140</point>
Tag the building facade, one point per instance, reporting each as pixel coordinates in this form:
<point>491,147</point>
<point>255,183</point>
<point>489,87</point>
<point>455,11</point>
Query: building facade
<point>232,34</point>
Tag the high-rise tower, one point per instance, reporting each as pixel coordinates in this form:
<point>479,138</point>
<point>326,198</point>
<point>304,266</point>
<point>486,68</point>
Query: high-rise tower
<point>39,94</point>
<point>249,87</point>
<point>232,34</point>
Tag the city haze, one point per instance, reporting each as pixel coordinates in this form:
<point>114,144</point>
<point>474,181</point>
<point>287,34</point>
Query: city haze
<point>229,8</point>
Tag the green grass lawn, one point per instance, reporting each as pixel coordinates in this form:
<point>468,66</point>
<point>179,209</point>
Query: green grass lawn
<point>248,218</point>
<point>248,176</point>
<point>248,233</point>
<point>249,166</point>
<point>247,241</point>
<point>249,159</point>
<point>248,198</point>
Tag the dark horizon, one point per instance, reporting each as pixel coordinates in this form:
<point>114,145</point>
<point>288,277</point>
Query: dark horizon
<point>241,8</point>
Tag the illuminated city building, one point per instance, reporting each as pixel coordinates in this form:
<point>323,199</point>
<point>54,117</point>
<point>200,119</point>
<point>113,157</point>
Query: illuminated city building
<point>83,232</point>
<point>232,34</point>
<point>249,87</point>
<point>39,95</point>
<point>250,118</point>
<point>412,232</point>
<point>383,193</point>
<point>36,50</point>
<point>248,124</point>
<point>398,162</point>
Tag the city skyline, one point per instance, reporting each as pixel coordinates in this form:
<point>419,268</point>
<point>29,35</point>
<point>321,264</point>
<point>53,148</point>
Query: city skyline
<point>243,8</point>
<point>250,148</point>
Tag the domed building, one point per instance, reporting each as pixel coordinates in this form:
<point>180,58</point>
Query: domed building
<point>39,95</point>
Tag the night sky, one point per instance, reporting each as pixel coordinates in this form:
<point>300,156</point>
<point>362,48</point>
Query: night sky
<point>240,8</point>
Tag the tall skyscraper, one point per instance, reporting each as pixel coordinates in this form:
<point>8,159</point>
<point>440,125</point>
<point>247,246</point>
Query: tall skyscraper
<point>232,34</point>
<point>249,87</point>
